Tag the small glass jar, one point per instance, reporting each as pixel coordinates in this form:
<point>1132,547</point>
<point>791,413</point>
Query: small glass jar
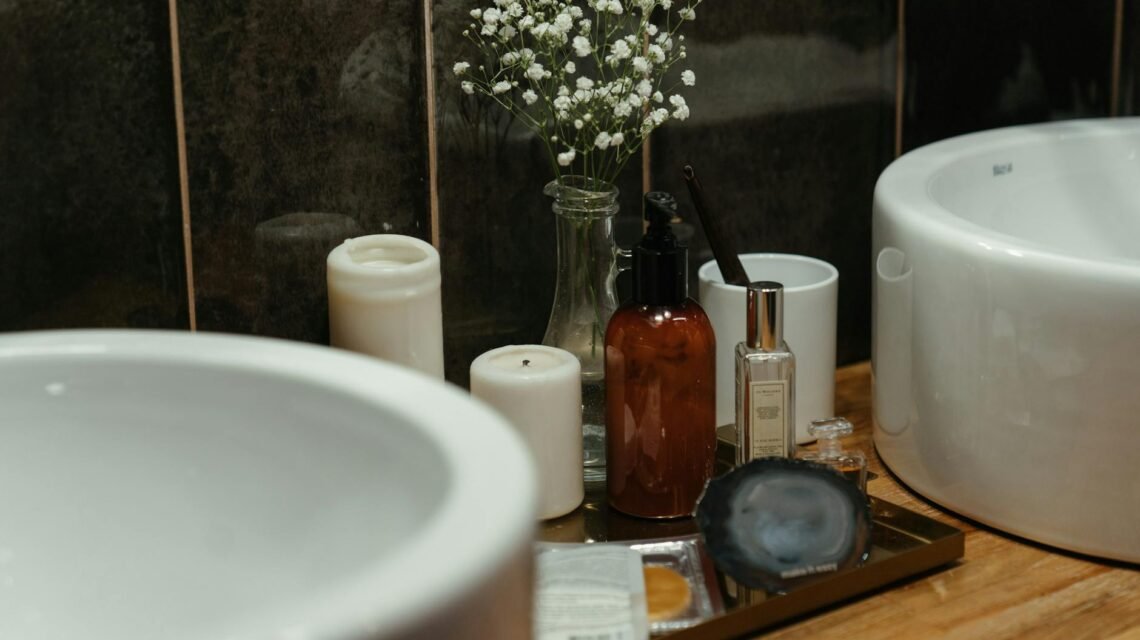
<point>850,464</point>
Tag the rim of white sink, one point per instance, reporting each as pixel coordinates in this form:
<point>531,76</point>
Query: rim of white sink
<point>490,462</point>
<point>907,185</point>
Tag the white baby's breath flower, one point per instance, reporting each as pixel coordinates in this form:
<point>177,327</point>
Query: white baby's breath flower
<point>680,109</point>
<point>618,51</point>
<point>582,47</point>
<point>534,46</point>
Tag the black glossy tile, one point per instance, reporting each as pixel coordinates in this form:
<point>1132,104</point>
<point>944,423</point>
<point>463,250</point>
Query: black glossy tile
<point>1129,96</point>
<point>497,236</point>
<point>297,107</point>
<point>90,221</point>
<point>973,64</point>
<point>792,121</point>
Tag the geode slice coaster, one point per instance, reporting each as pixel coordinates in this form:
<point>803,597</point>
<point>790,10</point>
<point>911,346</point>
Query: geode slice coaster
<point>774,520</point>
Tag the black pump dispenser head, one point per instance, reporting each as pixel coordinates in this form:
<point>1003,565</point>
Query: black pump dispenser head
<point>660,261</point>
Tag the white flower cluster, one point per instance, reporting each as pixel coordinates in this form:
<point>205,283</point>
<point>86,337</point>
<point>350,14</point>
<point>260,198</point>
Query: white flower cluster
<point>589,76</point>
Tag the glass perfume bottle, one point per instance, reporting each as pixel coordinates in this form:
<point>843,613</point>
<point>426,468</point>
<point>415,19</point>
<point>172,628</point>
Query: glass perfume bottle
<point>765,379</point>
<point>851,464</point>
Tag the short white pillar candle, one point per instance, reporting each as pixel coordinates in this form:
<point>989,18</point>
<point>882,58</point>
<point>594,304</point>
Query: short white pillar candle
<point>384,300</point>
<point>539,390</point>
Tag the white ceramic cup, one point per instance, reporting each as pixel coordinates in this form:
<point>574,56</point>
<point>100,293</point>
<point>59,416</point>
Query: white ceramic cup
<point>811,289</point>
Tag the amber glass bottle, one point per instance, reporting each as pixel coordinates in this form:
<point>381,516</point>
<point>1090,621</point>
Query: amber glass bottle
<point>660,382</point>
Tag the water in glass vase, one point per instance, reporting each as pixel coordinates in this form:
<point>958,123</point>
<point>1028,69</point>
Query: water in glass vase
<point>585,298</point>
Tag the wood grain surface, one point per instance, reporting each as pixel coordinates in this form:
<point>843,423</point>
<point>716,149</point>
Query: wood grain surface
<point>1005,587</point>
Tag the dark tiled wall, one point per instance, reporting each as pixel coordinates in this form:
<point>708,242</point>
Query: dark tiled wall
<point>308,121</point>
<point>90,223</point>
<point>305,124</point>
<point>977,64</point>
<point>790,127</point>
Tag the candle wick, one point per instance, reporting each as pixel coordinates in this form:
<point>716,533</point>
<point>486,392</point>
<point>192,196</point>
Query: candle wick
<point>526,363</point>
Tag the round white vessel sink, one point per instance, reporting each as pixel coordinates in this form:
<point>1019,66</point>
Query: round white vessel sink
<point>1006,349</point>
<point>179,486</point>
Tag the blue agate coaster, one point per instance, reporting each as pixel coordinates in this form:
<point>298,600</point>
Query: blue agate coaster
<point>773,521</point>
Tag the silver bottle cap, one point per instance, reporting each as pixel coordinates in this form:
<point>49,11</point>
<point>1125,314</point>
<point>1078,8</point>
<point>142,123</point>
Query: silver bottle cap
<point>765,315</point>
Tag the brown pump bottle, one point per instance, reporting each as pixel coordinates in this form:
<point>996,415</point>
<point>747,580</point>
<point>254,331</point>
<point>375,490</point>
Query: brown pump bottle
<point>660,381</point>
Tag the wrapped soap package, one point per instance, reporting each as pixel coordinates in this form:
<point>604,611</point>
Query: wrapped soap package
<point>581,588</point>
<point>589,591</point>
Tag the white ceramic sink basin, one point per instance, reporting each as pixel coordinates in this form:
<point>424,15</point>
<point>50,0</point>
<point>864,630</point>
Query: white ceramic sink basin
<point>178,486</point>
<point>1007,329</point>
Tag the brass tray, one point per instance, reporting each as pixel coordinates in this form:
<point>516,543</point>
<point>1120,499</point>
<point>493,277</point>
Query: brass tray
<point>904,544</point>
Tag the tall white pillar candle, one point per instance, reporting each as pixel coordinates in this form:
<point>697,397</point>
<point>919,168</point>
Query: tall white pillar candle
<point>539,390</point>
<point>384,300</point>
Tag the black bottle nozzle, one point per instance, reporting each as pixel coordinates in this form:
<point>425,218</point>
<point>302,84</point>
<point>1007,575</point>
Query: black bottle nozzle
<point>660,261</point>
<point>660,208</point>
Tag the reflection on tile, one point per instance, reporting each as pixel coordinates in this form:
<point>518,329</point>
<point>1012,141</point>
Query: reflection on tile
<point>792,121</point>
<point>496,227</point>
<point>297,108</point>
<point>979,65</point>
<point>90,224</point>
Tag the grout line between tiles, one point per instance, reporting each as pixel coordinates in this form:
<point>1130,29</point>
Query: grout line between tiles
<point>900,77</point>
<point>432,142</point>
<point>1117,46</point>
<point>183,165</point>
<point>646,168</point>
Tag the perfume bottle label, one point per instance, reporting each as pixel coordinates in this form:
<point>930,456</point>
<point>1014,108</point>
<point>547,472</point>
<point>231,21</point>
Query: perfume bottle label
<point>766,420</point>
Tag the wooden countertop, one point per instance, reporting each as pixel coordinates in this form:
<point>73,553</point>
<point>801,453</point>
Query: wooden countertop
<point>1004,587</point>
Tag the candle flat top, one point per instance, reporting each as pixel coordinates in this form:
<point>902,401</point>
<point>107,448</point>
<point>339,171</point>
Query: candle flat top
<point>526,361</point>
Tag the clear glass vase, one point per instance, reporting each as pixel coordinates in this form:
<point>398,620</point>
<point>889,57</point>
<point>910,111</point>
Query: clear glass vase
<point>585,297</point>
